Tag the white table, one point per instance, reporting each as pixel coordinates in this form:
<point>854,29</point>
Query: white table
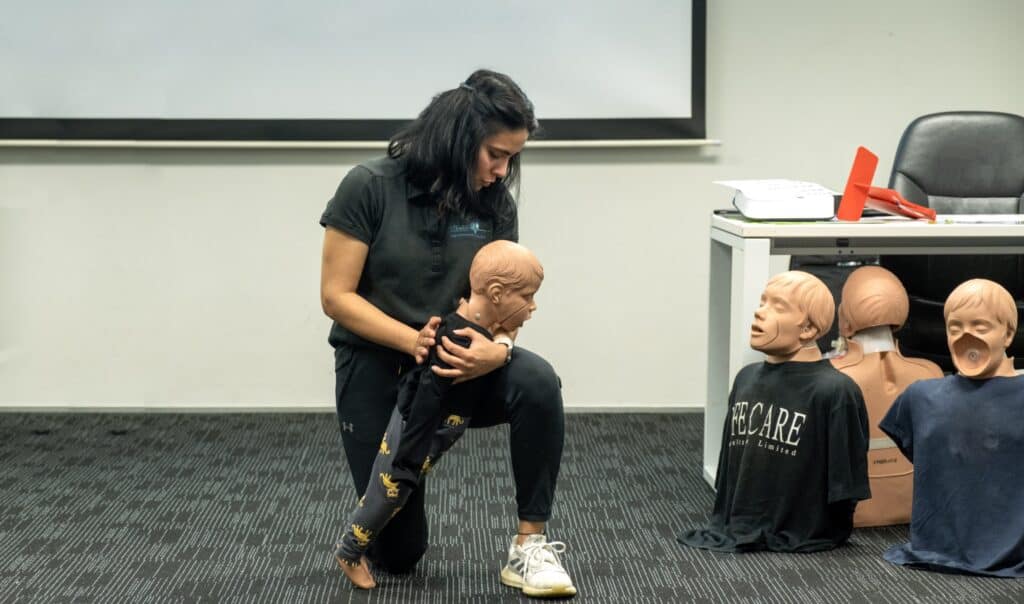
<point>740,252</point>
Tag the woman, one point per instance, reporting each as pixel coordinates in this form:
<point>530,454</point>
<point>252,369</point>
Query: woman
<point>401,232</point>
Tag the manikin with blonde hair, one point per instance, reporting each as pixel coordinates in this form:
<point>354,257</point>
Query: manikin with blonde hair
<point>965,435</point>
<point>434,411</point>
<point>792,464</point>
<point>874,304</point>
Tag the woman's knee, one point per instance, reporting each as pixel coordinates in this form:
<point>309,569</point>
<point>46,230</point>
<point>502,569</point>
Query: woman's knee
<point>533,383</point>
<point>398,560</point>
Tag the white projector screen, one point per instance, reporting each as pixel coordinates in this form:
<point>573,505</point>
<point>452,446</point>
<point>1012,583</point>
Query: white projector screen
<point>342,69</point>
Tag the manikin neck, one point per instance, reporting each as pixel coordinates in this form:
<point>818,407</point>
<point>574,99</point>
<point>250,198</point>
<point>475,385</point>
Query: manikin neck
<point>806,354</point>
<point>478,310</point>
<point>875,339</point>
<point>1007,369</point>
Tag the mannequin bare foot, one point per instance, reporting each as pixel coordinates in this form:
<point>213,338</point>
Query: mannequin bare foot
<point>358,574</point>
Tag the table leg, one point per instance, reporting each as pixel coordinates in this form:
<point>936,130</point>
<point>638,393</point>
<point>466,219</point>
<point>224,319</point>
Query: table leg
<point>739,270</point>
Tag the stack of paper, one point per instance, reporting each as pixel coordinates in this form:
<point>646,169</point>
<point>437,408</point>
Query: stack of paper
<point>781,199</point>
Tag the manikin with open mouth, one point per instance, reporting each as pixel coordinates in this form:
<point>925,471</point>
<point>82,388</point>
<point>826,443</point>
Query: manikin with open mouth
<point>793,460</point>
<point>965,435</point>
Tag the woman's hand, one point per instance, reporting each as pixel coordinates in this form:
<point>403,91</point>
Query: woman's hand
<point>425,339</point>
<point>481,357</point>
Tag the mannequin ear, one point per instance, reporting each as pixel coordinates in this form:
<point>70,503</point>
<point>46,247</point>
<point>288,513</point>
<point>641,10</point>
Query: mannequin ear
<point>494,292</point>
<point>808,332</point>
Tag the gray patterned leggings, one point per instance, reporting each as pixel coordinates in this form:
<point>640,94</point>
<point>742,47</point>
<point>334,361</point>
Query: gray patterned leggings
<point>393,479</point>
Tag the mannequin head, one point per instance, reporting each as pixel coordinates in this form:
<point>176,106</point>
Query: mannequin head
<point>872,297</point>
<point>981,319</point>
<point>796,309</point>
<point>503,278</point>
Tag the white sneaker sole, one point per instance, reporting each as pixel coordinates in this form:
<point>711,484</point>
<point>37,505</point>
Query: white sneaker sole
<point>510,578</point>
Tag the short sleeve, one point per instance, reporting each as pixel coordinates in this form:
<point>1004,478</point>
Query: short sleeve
<point>741,381</point>
<point>899,425</point>
<point>722,471</point>
<point>848,446</point>
<point>356,207</point>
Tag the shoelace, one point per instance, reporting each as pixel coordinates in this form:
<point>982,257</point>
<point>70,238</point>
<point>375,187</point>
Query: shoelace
<point>540,553</point>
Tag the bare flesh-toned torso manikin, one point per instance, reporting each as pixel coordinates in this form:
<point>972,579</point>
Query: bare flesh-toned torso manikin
<point>874,303</point>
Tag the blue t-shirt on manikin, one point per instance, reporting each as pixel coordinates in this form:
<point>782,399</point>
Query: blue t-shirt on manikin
<point>966,439</point>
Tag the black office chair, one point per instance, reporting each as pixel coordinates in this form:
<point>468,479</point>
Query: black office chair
<point>960,162</point>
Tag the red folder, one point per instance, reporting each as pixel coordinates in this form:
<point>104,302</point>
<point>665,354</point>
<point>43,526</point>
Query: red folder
<point>859,193</point>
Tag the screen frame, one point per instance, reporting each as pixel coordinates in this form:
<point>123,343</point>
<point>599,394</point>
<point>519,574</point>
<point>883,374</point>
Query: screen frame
<point>342,130</point>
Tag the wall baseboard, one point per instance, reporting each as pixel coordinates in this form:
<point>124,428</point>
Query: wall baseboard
<point>295,408</point>
<point>681,408</point>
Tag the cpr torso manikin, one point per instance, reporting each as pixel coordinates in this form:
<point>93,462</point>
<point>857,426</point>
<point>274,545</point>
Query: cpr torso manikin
<point>874,303</point>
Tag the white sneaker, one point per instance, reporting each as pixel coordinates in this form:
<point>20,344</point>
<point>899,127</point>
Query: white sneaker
<point>534,567</point>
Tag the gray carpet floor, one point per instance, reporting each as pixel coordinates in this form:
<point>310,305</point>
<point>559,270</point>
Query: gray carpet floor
<point>245,507</point>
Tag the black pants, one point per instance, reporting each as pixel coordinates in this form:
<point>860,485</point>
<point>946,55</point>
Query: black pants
<point>526,394</point>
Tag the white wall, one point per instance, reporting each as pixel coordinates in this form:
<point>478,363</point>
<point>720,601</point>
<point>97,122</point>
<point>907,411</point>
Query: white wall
<point>154,278</point>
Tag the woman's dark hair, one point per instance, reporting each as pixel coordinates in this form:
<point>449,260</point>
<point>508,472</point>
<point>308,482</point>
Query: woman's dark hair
<point>442,144</point>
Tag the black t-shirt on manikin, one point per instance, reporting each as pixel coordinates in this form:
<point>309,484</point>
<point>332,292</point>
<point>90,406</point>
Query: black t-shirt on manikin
<point>418,260</point>
<point>793,461</point>
<point>425,399</point>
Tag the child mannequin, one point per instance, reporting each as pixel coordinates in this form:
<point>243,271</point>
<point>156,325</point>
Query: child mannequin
<point>793,459</point>
<point>965,435</point>
<point>433,411</point>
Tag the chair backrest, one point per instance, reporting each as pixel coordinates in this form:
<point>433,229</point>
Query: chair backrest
<point>962,162</point>
<point>959,162</point>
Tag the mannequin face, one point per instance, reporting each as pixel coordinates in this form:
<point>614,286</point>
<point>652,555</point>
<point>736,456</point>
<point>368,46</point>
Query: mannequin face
<point>779,329</point>
<point>977,341</point>
<point>513,307</point>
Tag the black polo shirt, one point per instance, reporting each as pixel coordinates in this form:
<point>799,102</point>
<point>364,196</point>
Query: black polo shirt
<point>418,262</point>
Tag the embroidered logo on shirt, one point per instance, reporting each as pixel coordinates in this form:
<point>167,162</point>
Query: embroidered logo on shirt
<point>473,230</point>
